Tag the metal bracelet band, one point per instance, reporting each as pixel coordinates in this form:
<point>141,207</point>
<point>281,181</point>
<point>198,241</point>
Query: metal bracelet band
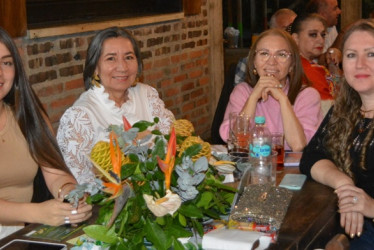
<point>62,187</point>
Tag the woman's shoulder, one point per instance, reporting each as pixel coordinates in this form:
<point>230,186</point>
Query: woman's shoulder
<point>309,91</point>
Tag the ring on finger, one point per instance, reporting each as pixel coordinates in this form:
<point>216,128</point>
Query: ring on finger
<point>354,199</point>
<point>279,86</point>
<point>66,220</point>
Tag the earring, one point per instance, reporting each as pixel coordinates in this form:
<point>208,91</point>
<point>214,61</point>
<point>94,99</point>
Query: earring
<point>95,80</point>
<point>254,71</point>
<point>135,82</point>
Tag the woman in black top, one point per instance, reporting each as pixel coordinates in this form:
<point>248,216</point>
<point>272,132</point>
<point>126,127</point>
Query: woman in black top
<point>341,154</point>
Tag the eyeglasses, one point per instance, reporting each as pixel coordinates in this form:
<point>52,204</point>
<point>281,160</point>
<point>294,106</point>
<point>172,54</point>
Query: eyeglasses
<point>280,56</point>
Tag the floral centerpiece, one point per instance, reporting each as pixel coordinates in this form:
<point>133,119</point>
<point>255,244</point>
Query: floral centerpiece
<point>155,188</point>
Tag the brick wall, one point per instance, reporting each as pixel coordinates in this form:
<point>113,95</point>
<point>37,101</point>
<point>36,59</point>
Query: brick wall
<point>176,62</point>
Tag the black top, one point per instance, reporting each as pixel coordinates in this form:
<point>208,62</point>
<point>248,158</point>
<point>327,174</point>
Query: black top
<point>316,150</point>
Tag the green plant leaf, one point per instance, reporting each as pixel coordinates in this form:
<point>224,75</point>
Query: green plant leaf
<point>177,245</point>
<point>156,235</point>
<point>99,232</point>
<point>190,210</point>
<point>205,200</point>
<point>142,125</point>
<point>182,219</point>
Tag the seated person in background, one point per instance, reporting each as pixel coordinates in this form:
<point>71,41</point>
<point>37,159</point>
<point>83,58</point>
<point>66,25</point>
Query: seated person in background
<point>330,11</point>
<point>309,31</point>
<point>111,73</point>
<point>341,154</point>
<point>281,19</point>
<point>277,89</point>
<point>27,142</point>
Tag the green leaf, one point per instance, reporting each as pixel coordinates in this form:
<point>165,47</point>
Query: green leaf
<point>177,245</point>
<point>182,219</point>
<point>128,170</point>
<point>99,232</point>
<point>156,235</point>
<point>205,199</point>
<point>142,125</point>
<point>193,150</point>
<point>199,228</point>
<point>190,210</point>
<point>178,231</point>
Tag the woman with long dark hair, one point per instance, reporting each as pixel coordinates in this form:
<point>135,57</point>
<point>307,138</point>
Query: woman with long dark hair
<point>27,143</point>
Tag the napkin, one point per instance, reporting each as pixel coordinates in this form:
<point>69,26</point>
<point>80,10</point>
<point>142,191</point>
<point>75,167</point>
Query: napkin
<point>233,239</point>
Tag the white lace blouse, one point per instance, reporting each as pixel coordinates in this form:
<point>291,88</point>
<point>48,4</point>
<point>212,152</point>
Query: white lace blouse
<point>85,123</point>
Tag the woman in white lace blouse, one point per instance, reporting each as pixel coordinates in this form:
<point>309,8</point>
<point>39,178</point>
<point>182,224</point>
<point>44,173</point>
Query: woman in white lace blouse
<point>111,73</point>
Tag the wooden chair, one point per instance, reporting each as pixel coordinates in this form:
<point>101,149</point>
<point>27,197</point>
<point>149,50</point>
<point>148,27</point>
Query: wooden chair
<point>338,242</point>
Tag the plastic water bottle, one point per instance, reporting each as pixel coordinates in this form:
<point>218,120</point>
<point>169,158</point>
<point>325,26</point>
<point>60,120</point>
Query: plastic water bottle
<point>260,147</point>
<point>262,169</point>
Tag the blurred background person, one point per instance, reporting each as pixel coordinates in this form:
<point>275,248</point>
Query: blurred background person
<point>111,73</point>
<point>309,32</point>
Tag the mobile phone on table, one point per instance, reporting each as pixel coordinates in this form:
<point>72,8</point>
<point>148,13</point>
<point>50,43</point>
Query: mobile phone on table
<point>293,181</point>
<point>18,244</point>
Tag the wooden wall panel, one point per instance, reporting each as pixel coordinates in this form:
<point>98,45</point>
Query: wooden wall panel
<point>13,17</point>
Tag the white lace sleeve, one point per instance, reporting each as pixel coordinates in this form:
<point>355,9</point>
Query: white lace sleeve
<point>158,109</point>
<point>75,137</point>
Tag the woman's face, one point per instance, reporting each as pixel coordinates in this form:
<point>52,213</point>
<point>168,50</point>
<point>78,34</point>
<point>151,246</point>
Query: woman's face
<point>358,62</point>
<point>7,71</point>
<point>273,57</point>
<point>117,66</point>
<point>311,39</point>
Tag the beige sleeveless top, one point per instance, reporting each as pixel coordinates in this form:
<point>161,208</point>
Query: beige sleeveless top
<point>17,167</point>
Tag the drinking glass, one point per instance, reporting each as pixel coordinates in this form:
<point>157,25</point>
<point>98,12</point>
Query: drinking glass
<point>277,140</point>
<point>239,133</point>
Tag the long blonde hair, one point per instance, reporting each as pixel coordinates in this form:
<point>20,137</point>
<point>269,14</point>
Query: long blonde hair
<point>346,116</point>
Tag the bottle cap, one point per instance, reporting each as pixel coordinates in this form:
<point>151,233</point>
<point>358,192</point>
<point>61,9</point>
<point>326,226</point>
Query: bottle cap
<point>260,119</point>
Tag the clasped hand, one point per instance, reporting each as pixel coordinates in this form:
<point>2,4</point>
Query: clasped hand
<point>268,85</point>
<point>354,204</point>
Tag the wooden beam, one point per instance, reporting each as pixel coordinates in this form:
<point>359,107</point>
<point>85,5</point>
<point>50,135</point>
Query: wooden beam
<point>13,17</point>
<point>351,11</point>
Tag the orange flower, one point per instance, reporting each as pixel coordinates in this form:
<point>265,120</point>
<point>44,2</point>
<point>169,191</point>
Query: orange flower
<point>167,165</point>
<point>126,124</point>
<point>114,187</point>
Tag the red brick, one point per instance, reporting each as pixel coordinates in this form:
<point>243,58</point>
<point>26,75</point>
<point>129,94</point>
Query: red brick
<point>204,81</point>
<point>187,86</point>
<point>74,84</point>
<point>195,74</point>
<point>195,54</point>
<point>166,82</point>
<point>161,62</point>
<point>171,92</point>
<point>188,107</point>
<point>154,76</point>
<point>66,101</point>
<point>50,90</point>
<point>197,92</point>
<point>180,78</point>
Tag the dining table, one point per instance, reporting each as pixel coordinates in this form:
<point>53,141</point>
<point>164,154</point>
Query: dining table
<point>310,222</point>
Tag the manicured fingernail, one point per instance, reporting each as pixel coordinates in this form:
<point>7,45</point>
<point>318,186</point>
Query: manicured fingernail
<point>74,212</point>
<point>358,234</point>
<point>352,236</point>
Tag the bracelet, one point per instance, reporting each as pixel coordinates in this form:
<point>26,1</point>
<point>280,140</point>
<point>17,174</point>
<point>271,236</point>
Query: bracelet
<point>62,187</point>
